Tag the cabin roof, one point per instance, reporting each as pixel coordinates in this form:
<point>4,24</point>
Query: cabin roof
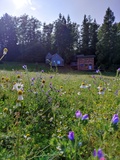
<point>85,56</point>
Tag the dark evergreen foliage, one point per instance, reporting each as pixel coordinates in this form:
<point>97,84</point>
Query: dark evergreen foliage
<point>28,40</point>
<point>107,39</point>
<point>8,36</point>
<point>88,36</point>
<point>66,36</point>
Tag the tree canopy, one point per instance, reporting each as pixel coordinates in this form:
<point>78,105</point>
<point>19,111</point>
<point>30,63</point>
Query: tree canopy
<point>30,40</point>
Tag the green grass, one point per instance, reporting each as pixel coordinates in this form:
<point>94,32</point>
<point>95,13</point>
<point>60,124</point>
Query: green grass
<point>37,127</point>
<point>18,66</point>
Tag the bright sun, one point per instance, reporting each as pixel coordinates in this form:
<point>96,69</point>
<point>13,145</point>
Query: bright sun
<point>19,3</point>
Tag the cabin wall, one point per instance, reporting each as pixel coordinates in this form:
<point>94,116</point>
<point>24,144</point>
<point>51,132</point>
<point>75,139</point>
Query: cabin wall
<point>85,63</point>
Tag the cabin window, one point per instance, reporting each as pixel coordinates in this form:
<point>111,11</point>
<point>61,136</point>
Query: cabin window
<point>90,66</point>
<point>81,65</point>
<point>58,62</point>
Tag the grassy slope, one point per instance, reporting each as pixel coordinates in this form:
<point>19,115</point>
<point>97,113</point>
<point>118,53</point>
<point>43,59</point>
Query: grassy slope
<point>93,135</point>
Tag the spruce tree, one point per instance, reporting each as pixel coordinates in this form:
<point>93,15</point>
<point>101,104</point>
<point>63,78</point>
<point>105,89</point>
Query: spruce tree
<point>65,37</point>
<point>88,36</point>
<point>106,40</point>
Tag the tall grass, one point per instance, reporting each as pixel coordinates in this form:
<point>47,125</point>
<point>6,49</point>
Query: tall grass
<point>38,112</point>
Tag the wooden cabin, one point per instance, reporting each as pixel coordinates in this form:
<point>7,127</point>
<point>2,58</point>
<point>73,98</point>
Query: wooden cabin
<point>85,62</point>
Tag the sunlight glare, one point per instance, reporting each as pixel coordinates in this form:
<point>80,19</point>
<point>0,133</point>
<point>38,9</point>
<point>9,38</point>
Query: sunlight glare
<point>19,3</point>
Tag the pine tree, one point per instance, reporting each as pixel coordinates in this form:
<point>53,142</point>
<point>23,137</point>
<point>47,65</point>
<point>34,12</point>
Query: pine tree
<point>65,37</point>
<point>85,38</point>
<point>8,36</point>
<point>88,36</point>
<point>93,37</point>
<point>106,40</point>
<point>116,58</point>
<point>47,37</point>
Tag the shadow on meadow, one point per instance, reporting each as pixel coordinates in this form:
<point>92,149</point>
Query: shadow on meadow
<point>38,67</point>
<point>10,66</point>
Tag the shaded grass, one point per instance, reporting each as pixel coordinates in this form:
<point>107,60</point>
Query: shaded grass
<point>37,67</point>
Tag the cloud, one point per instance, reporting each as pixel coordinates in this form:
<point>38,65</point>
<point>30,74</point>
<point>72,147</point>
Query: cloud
<point>22,3</point>
<point>33,8</point>
<point>29,2</point>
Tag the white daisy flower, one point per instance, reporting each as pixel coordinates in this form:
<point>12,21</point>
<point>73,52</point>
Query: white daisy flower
<point>18,86</point>
<point>83,85</point>
<point>101,91</point>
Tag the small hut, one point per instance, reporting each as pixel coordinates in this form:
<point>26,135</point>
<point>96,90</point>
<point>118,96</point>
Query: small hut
<point>85,62</point>
<point>57,60</point>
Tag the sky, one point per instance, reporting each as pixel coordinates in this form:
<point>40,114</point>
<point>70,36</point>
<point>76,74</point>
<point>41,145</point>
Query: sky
<point>48,10</point>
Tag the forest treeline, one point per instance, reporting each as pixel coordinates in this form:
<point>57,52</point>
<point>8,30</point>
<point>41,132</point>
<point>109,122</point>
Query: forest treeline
<point>29,40</point>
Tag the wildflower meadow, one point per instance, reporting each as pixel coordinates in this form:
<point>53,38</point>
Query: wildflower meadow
<point>47,115</point>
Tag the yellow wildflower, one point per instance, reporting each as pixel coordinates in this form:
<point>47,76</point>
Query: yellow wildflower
<point>18,76</point>
<point>5,50</point>
<point>28,135</point>
<point>7,79</point>
<point>20,92</point>
<point>61,87</point>
<point>83,83</point>
<point>101,89</point>
<point>3,78</point>
<point>43,81</point>
<point>5,109</point>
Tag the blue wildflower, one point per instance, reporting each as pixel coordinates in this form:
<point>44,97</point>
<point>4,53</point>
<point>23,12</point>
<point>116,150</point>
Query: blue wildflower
<point>100,153</point>
<point>71,135</point>
<point>118,69</point>
<point>32,79</point>
<point>24,67</point>
<point>115,119</point>
<point>85,117</point>
<point>94,153</point>
<point>97,71</point>
<point>42,71</point>
<point>78,114</point>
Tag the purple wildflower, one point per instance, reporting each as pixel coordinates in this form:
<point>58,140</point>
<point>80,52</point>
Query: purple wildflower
<point>85,117</point>
<point>24,67</point>
<point>97,71</point>
<point>32,79</point>
<point>78,114</point>
<point>100,153</point>
<point>93,76</point>
<point>94,153</point>
<point>115,119</point>
<point>71,135</point>
<point>51,77</point>
<point>50,85</point>
<point>118,69</point>
<point>42,71</point>
<point>116,92</point>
